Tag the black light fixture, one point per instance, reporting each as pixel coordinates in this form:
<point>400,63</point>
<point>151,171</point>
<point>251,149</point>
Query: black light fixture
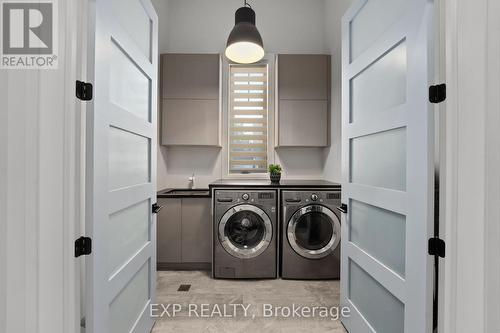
<point>244,44</point>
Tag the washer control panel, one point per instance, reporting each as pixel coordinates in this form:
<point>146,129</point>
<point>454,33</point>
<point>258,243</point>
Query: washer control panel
<point>239,196</point>
<point>310,197</point>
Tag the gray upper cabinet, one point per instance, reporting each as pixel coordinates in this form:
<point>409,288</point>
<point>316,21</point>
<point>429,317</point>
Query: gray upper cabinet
<point>303,76</point>
<point>190,106</point>
<point>190,76</point>
<point>303,100</point>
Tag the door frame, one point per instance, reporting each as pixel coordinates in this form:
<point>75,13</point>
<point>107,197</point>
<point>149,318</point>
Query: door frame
<point>471,167</point>
<point>453,13</point>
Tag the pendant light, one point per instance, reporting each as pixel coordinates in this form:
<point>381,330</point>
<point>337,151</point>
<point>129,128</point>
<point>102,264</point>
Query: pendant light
<point>244,45</point>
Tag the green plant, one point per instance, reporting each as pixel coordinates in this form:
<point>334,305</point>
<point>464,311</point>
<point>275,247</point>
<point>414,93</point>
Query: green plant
<point>275,169</point>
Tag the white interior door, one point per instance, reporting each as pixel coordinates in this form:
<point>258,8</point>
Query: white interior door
<point>387,158</point>
<point>121,167</point>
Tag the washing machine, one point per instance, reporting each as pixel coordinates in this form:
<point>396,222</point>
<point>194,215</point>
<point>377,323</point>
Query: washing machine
<point>244,234</point>
<point>310,234</point>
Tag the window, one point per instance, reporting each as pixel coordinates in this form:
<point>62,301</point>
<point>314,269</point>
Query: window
<point>248,119</point>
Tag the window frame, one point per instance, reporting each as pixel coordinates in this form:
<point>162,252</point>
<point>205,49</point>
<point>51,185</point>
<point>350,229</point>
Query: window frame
<point>269,60</point>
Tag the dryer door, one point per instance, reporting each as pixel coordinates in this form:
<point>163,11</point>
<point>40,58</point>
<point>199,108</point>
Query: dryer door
<point>314,231</point>
<point>245,231</point>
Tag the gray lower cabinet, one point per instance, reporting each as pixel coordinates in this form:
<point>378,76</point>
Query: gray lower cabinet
<point>168,231</point>
<point>196,230</point>
<point>184,233</point>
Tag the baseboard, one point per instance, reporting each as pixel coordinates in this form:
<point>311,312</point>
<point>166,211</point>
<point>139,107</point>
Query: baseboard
<point>183,266</point>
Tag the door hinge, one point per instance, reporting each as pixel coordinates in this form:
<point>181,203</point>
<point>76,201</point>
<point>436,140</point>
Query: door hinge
<point>83,90</point>
<point>83,246</point>
<point>437,247</point>
<point>155,208</point>
<point>437,93</point>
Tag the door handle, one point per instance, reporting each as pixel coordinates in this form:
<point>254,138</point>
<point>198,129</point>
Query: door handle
<point>156,208</point>
<point>342,208</point>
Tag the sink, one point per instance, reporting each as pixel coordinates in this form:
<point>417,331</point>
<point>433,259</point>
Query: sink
<point>186,192</point>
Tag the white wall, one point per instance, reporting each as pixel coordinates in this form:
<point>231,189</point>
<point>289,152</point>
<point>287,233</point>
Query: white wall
<point>38,199</point>
<point>286,26</point>
<point>202,26</point>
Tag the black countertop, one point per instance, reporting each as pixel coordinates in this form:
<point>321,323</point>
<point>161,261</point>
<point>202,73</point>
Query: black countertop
<point>184,193</point>
<point>264,183</point>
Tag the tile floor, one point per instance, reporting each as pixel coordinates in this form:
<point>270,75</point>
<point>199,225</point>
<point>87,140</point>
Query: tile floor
<point>254,294</point>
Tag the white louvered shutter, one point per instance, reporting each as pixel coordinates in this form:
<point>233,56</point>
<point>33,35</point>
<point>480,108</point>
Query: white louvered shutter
<point>248,130</point>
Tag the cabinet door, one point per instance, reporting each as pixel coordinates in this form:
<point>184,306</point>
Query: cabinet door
<point>303,76</point>
<point>190,76</point>
<point>190,122</point>
<point>303,123</point>
<point>196,230</point>
<point>169,231</point>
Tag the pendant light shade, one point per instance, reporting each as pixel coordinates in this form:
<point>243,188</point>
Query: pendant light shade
<point>244,45</point>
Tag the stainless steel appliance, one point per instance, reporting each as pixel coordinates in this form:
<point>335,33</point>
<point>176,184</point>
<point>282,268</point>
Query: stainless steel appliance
<point>310,234</point>
<point>245,232</point>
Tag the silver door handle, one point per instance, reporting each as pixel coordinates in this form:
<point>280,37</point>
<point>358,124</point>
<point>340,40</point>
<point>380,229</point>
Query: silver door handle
<point>342,208</point>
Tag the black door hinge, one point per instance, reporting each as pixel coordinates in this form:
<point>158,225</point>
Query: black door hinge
<point>437,93</point>
<point>437,247</point>
<point>83,90</point>
<point>155,208</point>
<point>83,246</point>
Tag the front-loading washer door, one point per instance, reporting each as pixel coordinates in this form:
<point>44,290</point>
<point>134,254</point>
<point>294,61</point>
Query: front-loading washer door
<point>245,231</point>
<point>313,231</point>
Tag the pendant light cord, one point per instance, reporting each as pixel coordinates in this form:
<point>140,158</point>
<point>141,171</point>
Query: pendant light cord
<point>246,4</point>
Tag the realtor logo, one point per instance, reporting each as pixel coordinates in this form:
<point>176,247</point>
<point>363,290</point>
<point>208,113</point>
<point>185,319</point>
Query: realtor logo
<point>29,39</point>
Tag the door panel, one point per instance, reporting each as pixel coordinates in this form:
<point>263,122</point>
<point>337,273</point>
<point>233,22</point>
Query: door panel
<point>379,232</point>
<point>130,301</point>
<point>129,86</point>
<point>382,310</point>
<point>130,230</point>
<point>372,20</point>
<point>136,21</point>
<point>387,158</point>
<point>121,167</point>
<point>129,159</point>
<point>385,77</point>
<point>379,159</point>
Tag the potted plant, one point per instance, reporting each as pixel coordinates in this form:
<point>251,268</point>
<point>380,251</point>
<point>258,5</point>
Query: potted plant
<point>275,172</point>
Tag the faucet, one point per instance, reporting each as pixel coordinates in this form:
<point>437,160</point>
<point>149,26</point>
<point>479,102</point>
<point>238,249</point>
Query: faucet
<point>191,181</point>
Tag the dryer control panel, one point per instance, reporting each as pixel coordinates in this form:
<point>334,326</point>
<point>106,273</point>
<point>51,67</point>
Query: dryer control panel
<point>306,197</point>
